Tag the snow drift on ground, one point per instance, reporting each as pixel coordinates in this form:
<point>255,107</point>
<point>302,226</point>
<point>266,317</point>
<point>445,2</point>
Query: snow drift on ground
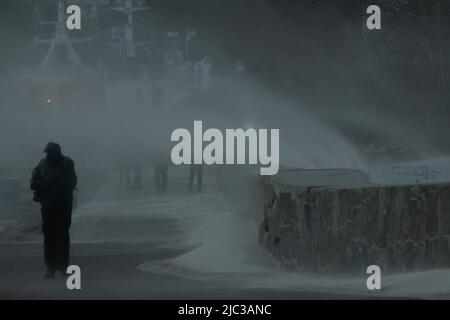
<point>224,247</point>
<point>428,171</point>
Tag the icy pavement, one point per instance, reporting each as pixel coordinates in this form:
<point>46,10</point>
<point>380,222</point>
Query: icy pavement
<point>134,245</point>
<point>434,170</point>
<point>111,241</point>
<point>223,247</point>
<point>226,249</point>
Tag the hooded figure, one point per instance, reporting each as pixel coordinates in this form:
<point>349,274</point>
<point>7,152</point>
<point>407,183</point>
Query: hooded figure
<point>54,179</point>
<point>53,183</point>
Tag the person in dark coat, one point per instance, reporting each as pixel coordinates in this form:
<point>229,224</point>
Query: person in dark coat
<point>53,182</point>
<point>195,170</point>
<point>124,168</point>
<point>160,170</point>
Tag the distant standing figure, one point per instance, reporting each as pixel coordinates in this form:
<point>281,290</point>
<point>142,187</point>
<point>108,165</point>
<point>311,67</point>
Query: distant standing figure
<point>53,182</point>
<point>137,169</point>
<point>161,168</point>
<point>124,169</point>
<point>196,170</point>
<point>160,174</point>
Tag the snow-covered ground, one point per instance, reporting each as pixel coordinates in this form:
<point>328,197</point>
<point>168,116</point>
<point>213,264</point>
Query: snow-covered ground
<point>435,170</point>
<point>224,247</point>
<point>218,243</point>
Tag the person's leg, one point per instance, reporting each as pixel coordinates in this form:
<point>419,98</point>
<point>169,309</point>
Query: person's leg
<point>199,178</point>
<point>156,178</point>
<point>63,237</point>
<point>128,177</point>
<point>191,177</point>
<point>137,184</point>
<point>164,172</point>
<point>121,176</point>
<point>49,231</point>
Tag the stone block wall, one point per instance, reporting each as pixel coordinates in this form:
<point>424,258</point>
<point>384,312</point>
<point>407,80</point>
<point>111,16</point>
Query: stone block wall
<point>344,230</point>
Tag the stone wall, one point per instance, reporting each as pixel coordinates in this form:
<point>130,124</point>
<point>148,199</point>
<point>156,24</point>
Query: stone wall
<point>334,229</point>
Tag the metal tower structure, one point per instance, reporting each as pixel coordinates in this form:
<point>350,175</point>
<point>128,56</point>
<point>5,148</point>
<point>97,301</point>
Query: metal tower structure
<point>129,8</point>
<point>60,41</point>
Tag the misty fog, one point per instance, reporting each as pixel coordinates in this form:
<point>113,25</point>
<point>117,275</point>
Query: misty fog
<point>341,96</point>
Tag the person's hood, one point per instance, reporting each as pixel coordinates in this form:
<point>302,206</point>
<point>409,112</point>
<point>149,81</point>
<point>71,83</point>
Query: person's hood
<point>53,151</point>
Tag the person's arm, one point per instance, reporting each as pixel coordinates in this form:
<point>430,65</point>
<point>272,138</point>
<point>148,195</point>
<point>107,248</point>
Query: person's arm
<point>40,181</point>
<point>36,178</point>
<point>72,175</point>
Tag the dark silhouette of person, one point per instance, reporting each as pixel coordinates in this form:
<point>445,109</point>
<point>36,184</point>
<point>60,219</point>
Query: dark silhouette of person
<point>129,165</point>
<point>160,171</point>
<point>124,168</point>
<point>137,177</point>
<point>136,155</point>
<point>196,170</point>
<point>53,182</point>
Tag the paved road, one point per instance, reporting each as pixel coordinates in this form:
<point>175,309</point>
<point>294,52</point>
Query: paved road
<point>111,237</point>
<point>109,272</point>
